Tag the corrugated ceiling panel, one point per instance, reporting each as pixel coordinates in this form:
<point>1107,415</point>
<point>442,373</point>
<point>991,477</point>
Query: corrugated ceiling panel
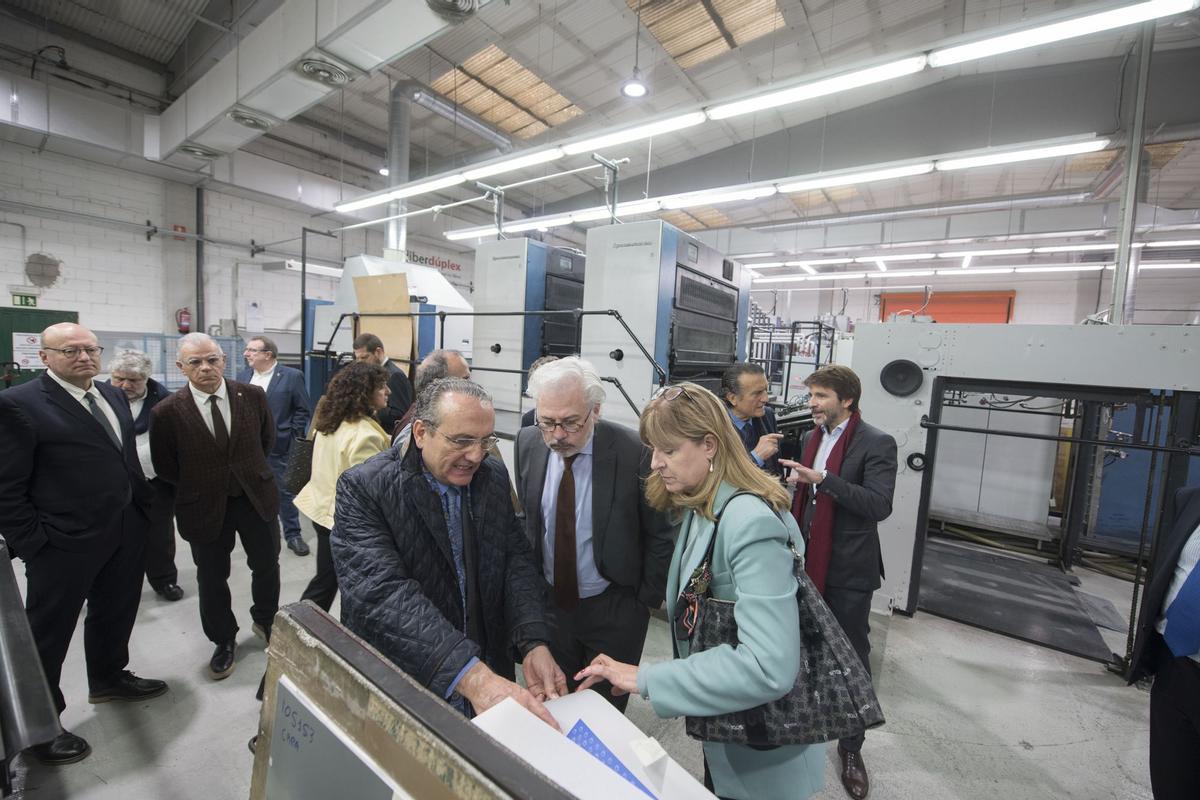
<point>149,28</point>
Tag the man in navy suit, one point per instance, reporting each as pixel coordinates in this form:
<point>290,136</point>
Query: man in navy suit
<point>744,387</point>
<point>1168,647</point>
<point>288,400</point>
<point>73,505</point>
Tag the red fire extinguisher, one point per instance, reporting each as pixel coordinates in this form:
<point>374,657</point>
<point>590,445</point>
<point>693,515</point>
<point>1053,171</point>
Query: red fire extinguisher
<point>183,320</point>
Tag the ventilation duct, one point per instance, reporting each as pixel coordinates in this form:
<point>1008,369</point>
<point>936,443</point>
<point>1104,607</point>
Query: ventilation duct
<point>302,52</point>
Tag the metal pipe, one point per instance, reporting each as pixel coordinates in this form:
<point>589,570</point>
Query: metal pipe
<point>304,232</point>
<point>199,322</point>
<point>399,145</point>
<point>1046,437</point>
<point>1125,275</point>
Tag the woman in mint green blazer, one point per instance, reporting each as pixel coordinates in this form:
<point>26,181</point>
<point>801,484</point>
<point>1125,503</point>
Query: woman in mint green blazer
<point>699,462</point>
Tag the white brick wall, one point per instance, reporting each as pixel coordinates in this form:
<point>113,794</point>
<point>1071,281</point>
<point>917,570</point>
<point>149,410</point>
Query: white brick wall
<point>111,277</point>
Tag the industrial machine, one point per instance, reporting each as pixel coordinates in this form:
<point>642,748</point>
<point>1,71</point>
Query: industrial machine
<point>683,310</point>
<point>515,275</point>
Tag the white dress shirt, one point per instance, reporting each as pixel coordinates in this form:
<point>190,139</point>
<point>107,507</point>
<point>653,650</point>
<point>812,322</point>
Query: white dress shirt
<point>262,379</point>
<point>202,403</point>
<point>80,395</point>
<point>143,440</point>
<point>1188,558</point>
<point>827,442</point>
<point>591,583</point>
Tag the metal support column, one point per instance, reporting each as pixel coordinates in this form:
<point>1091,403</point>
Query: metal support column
<point>1125,276</point>
<point>199,321</point>
<point>399,143</point>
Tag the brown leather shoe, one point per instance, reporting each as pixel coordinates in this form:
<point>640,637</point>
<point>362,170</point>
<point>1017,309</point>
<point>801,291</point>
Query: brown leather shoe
<point>854,774</point>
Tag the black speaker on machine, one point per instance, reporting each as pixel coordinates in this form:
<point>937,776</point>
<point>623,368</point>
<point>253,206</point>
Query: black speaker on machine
<point>901,377</point>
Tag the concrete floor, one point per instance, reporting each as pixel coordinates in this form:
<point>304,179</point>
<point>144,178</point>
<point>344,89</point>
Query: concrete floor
<point>970,714</point>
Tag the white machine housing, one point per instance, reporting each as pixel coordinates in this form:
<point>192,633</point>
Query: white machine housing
<point>1137,357</point>
<point>638,269</point>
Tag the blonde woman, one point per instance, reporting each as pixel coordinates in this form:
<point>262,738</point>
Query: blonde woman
<point>698,464</point>
<point>347,434</point>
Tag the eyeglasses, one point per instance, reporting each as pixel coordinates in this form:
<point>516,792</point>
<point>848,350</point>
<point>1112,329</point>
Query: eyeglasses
<point>253,350</point>
<point>467,442</point>
<point>212,361</point>
<point>73,352</point>
<point>568,427</point>
<point>669,393</point>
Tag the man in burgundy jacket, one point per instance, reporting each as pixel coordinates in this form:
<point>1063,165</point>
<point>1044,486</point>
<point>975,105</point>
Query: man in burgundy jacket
<point>211,440</point>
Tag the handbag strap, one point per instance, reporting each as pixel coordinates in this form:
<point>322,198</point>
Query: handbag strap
<point>703,572</point>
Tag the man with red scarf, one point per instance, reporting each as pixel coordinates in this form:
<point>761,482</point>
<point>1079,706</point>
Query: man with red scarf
<point>844,481</point>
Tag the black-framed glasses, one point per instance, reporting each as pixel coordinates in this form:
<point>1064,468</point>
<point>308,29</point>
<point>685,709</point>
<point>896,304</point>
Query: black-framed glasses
<point>73,352</point>
<point>468,442</point>
<point>254,350</point>
<point>196,361</point>
<point>548,425</point>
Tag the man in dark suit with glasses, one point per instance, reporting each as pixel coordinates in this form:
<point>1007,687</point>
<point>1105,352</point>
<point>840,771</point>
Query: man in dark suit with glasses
<point>73,505</point>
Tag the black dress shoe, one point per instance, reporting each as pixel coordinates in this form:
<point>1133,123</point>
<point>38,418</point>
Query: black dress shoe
<point>854,774</point>
<point>66,748</point>
<point>298,546</point>
<point>170,591</point>
<point>128,688</point>
<point>220,666</point>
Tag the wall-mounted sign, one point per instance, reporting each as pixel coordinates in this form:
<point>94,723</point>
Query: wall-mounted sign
<point>25,300</point>
<point>25,348</point>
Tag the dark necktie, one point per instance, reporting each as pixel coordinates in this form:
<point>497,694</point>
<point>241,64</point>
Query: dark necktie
<point>98,413</point>
<point>566,582</point>
<point>220,432</point>
<point>748,436</point>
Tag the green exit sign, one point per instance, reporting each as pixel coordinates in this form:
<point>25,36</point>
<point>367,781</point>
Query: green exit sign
<point>26,300</point>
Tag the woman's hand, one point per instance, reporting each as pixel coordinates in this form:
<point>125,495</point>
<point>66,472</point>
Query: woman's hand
<point>623,677</point>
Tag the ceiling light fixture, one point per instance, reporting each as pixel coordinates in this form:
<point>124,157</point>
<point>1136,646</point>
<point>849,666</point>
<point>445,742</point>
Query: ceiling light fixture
<point>1008,251</point>
<point>773,264</point>
<point>515,163</point>
<point>907,273</point>
<point>1028,154</point>
<point>1152,265</point>
<point>966,262</point>
<point>668,125</point>
<point>384,171</point>
<point>636,88</point>
<point>752,255</point>
<point>470,233</point>
<point>819,88</point>
<point>1069,268</point>
<point>849,177</point>
<point>802,265</point>
<point>538,224</point>
<point>973,272</point>
<point>712,197</point>
<point>879,262</point>
<point>899,257</point>
<point>1075,248</point>
<point>1177,243</point>
<point>1058,31</point>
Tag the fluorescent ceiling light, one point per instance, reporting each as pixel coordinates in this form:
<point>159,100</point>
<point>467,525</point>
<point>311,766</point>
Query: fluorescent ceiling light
<point>969,272</point>
<point>1072,268</point>
<point>539,223</point>
<point>384,171</point>
<point>630,208</point>
<point>1075,248</point>
<point>802,265</point>
<point>819,88</point>
<point>822,262</point>
<point>1179,243</point>
<point>753,255</point>
<point>771,264</point>
<point>787,279</point>
<point>966,262</point>
<point>1010,251</point>
<point>633,134</point>
<point>1152,265</point>
<point>404,191</point>
<point>840,276</point>
<point>850,178</point>
<point>881,264</point>
<point>1030,154</point>
<point>510,164</point>
<point>907,273</point>
<point>470,233</point>
<point>716,197</point>
<point>899,257</point>
<point>1058,31</point>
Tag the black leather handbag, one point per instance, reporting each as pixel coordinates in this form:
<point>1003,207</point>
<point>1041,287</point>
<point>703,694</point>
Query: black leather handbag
<point>299,465</point>
<point>832,697</point>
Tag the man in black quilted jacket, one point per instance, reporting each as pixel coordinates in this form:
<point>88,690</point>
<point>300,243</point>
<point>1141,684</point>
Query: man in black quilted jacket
<point>433,565</point>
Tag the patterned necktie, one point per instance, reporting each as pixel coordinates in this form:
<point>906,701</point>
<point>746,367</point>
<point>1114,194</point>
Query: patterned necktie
<point>220,432</point>
<point>452,506</point>
<point>566,580</point>
<point>100,416</point>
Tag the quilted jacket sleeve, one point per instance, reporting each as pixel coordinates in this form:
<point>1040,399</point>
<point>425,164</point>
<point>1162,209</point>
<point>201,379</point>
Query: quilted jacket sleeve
<point>381,601</point>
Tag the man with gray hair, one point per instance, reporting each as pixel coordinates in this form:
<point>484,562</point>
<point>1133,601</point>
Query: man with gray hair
<point>130,372</point>
<point>435,366</point>
<point>211,440</point>
<point>433,566</point>
<point>602,550</point>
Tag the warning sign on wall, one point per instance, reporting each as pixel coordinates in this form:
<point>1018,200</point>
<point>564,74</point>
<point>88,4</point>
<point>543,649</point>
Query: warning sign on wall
<point>25,348</point>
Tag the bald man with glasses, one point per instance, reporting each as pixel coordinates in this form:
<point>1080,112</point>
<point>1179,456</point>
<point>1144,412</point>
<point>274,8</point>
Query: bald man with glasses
<point>211,440</point>
<point>73,507</point>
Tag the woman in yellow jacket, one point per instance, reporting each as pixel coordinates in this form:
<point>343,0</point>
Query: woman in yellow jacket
<point>347,434</point>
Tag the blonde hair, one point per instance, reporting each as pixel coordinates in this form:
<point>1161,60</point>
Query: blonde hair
<point>692,415</point>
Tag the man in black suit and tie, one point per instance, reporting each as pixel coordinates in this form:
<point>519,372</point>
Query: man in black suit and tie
<point>603,551</point>
<point>369,347</point>
<point>744,387</point>
<point>1168,647</point>
<point>73,506</point>
<point>844,483</point>
<point>288,400</point>
<point>211,440</point>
